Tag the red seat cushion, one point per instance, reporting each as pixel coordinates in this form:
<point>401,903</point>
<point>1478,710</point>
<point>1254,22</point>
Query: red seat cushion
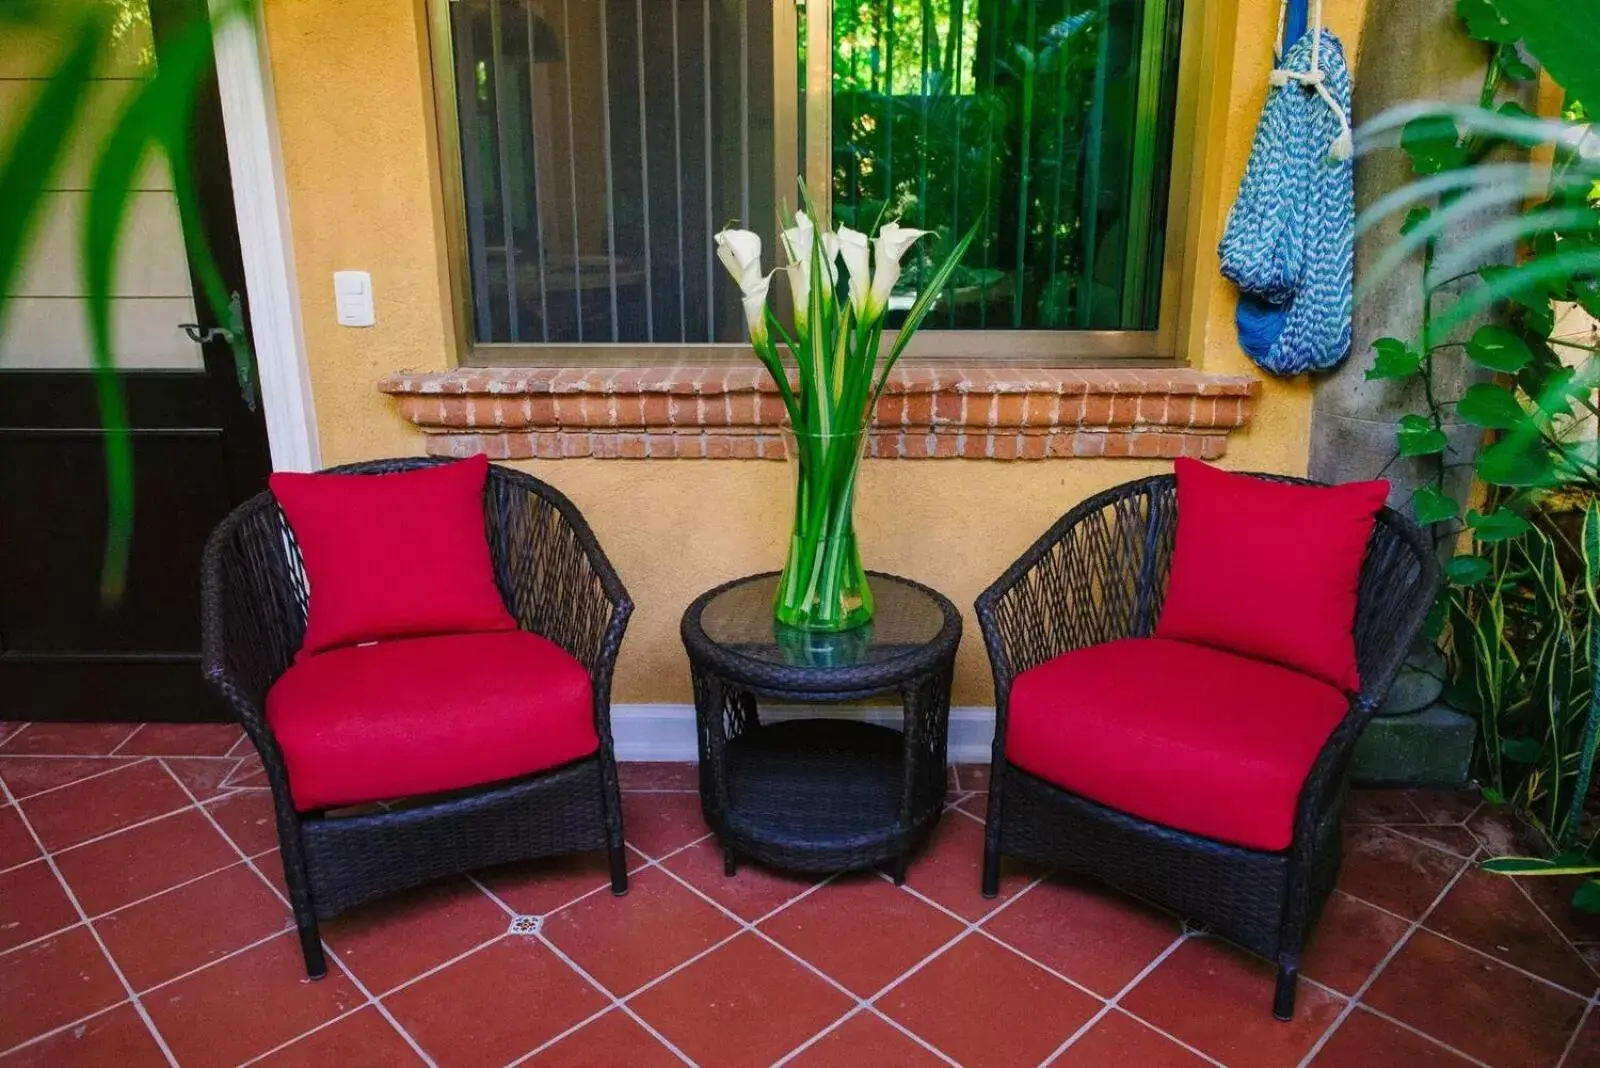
<point>393,556</point>
<point>1270,570</point>
<point>1178,734</point>
<point>418,716</point>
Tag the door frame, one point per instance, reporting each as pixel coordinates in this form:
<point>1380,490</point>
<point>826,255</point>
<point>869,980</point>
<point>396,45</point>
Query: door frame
<point>261,206</point>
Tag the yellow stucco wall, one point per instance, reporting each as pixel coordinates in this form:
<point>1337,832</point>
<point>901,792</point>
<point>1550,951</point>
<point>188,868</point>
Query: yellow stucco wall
<point>355,123</point>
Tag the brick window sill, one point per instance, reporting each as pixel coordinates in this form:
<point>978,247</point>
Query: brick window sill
<point>735,413</point>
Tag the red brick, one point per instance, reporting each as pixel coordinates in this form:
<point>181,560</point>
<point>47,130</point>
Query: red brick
<point>1033,446</point>
<point>1007,410</point>
<point>949,408</point>
<point>1124,409</point>
<point>919,409</point>
<point>1096,411</point>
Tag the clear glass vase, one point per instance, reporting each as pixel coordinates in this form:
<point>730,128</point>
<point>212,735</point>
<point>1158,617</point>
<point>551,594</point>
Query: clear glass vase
<point>824,587</point>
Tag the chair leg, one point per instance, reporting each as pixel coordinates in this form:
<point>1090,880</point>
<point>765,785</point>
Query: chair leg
<point>730,862</point>
<point>897,870</point>
<point>311,946</point>
<point>991,870</point>
<point>618,856</point>
<point>1283,994</point>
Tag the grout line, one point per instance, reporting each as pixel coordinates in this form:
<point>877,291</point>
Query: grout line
<point>326,948</point>
<point>616,1003</point>
<point>116,969</point>
<point>128,762</point>
<point>1360,992</point>
<point>1570,944</point>
<point>256,944</point>
<point>1572,1042</point>
<point>73,1025</point>
<point>186,806</point>
<point>1463,1054</point>
<point>8,739</point>
<point>324,1025</point>
<point>856,1010</point>
<point>126,740</point>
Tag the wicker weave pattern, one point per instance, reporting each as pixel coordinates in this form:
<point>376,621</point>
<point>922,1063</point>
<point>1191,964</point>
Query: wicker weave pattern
<point>555,580</point>
<point>1099,574</point>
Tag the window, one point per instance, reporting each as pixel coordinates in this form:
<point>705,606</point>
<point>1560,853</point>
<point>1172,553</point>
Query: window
<point>603,142</point>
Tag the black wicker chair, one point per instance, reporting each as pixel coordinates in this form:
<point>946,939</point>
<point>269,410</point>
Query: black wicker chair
<point>557,583</point>
<point>1099,574</point>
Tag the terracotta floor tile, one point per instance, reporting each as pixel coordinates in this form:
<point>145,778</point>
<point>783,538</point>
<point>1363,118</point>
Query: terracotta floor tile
<point>247,818</point>
<point>973,776</point>
<point>1499,831</point>
<point>399,938</point>
<point>950,868</point>
<point>32,904</point>
<point>202,776</point>
<point>658,824</point>
<point>86,810</point>
<point>1090,933</point>
<point>1482,1008</point>
<point>1350,940</point>
<point>183,929</point>
<point>746,1004</point>
<point>1218,999</point>
<point>750,894</point>
<point>68,739</point>
<point>865,1039</point>
<point>624,942</point>
<point>1445,806</point>
<point>16,844</point>
<point>112,871</point>
<point>862,930</point>
<point>1366,1041</point>
<point>1489,912</point>
<point>1553,896</point>
<point>538,887</point>
<point>182,740</point>
<point>1449,837</point>
<point>499,1003</point>
<point>984,1005</point>
<point>246,1005</point>
<point>976,805</point>
<point>8,727</point>
<point>26,776</point>
<point>615,1040</point>
<point>1381,806</point>
<point>1585,1052</point>
<point>658,775</point>
<point>1393,872</point>
<point>116,1038</point>
<point>364,1039</point>
<point>1120,1041</point>
<point>52,983</point>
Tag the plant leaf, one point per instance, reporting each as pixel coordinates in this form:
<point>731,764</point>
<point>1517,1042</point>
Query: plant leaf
<point>1516,68</point>
<point>1560,34</point>
<point>1500,525</point>
<point>1484,22</point>
<point>1416,436</point>
<point>1587,897</point>
<point>1466,570</point>
<point>1434,144</point>
<point>1491,406</point>
<point>1535,866</point>
<point>1392,359</point>
<point>1521,750</point>
<point>1431,506</point>
<point>1498,349</point>
<point>1514,462</point>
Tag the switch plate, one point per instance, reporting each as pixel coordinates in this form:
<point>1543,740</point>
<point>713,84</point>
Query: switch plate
<point>352,298</point>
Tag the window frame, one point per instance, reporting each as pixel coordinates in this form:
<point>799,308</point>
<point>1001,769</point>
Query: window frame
<point>1197,122</point>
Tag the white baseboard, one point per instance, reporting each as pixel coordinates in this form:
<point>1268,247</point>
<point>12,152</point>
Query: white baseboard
<point>667,732</point>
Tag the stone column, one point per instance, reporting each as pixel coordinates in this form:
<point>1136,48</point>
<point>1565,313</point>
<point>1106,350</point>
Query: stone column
<point>1416,50</point>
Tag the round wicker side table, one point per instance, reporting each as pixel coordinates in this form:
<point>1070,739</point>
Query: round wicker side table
<point>813,793</point>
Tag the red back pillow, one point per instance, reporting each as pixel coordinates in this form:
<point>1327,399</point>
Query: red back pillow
<point>393,556</point>
<point>1270,570</point>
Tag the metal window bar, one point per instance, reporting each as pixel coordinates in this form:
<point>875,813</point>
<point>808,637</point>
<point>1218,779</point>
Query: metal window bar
<point>677,176</point>
<point>471,172</point>
<point>744,113</point>
<point>711,259</point>
<point>508,233</point>
<point>605,125</point>
<point>1091,179</point>
<point>536,212</point>
<point>572,173</point>
<point>644,177</point>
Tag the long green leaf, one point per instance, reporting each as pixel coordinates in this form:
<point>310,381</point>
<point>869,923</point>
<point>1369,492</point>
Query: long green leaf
<point>1561,34</point>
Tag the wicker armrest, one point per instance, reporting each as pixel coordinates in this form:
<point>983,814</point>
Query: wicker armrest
<point>553,574</point>
<point>1095,576</point>
<point>252,608</point>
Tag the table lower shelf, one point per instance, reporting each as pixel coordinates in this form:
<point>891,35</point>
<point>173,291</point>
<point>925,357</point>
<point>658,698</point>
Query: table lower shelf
<point>822,795</point>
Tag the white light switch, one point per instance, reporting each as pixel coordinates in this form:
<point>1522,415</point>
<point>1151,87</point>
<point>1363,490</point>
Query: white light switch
<point>352,297</point>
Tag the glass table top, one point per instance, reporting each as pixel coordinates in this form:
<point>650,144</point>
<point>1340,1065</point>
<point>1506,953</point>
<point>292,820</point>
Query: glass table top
<point>740,620</point>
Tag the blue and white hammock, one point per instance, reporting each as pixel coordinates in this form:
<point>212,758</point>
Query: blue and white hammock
<point>1290,240</point>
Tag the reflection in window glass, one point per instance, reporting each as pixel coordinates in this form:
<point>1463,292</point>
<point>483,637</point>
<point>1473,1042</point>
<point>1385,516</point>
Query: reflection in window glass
<point>1050,119</point>
<point>603,143</point>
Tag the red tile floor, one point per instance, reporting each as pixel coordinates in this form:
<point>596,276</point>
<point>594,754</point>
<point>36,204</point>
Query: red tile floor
<point>142,922</point>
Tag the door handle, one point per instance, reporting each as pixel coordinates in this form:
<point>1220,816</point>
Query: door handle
<point>238,341</point>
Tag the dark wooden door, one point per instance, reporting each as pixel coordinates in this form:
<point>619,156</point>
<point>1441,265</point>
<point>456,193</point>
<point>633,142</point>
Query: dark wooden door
<point>199,442</point>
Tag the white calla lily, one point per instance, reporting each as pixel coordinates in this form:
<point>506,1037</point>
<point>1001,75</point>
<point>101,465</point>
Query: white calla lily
<point>888,247</point>
<point>740,253</point>
<point>755,308</point>
<point>797,241</point>
<point>853,249</point>
<point>830,255</point>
